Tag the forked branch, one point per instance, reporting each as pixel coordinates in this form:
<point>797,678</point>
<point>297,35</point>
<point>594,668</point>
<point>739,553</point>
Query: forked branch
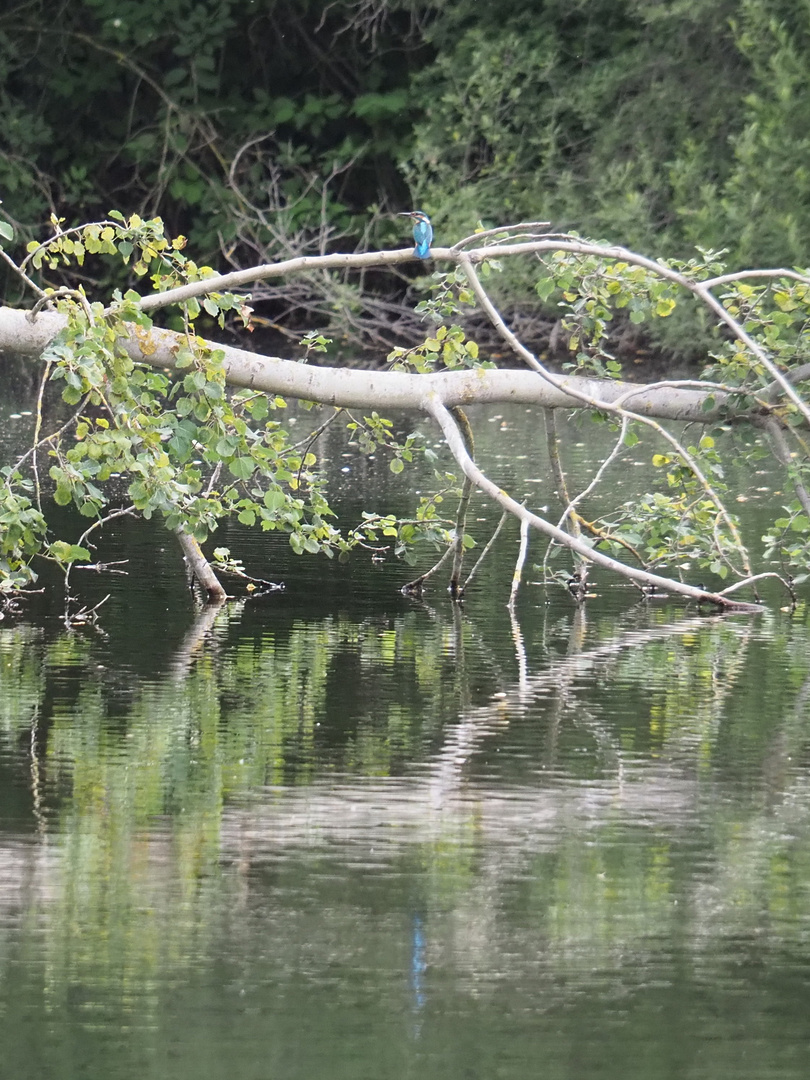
<point>646,579</point>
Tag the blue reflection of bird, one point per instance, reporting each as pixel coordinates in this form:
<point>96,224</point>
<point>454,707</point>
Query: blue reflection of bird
<point>418,961</point>
<point>422,232</point>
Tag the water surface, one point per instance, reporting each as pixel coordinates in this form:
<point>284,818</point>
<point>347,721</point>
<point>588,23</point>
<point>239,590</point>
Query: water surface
<point>342,833</point>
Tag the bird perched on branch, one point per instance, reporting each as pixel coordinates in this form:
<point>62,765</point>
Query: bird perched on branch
<point>422,232</point>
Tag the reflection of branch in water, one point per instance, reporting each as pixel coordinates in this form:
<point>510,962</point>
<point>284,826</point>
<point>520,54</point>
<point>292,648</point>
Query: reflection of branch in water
<point>36,781</point>
<point>474,637</point>
<point>790,741</point>
<point>752,859</point>
<point>460,670</point>
<point>520,649</point>
<point>418,968</point>
<point>561,702</point>
<point>200,631</point>
<point>521,559</point>
<point>477,724</point>
<point>445,804</point>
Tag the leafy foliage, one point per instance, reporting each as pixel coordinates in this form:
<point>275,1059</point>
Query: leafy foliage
<point>174,108</point>
<point>685,524</point>
<point>650,121</point>
<point>179,444</point>
<point>666,124</point>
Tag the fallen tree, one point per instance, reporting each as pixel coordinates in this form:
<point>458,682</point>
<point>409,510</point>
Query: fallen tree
<point>193,426</point>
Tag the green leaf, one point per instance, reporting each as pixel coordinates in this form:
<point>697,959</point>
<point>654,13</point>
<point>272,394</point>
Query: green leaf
<point>6,231</point>
<point>545,287</point>
<point>397,465</point>
<point>258,408</point>
<point>68,553</point>
<point>283,110</point>
<point>242,467</point>
<point>226,446</point>
<point>274,499</point>
<point>194,381</point>
<point>377,107</point>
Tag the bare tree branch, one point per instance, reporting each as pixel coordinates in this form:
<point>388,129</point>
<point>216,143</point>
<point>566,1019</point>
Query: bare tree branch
<point>456,445</point>
<point>347,388</point>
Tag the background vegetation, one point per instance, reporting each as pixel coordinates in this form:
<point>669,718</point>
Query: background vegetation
<point>270,127</point>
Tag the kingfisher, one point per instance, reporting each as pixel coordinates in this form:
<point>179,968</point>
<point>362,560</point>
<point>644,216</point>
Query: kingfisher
<point>422,232</point>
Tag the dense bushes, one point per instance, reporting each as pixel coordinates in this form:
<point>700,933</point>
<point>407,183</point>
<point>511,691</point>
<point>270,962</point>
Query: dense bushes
<point>146,103</point>
<point>275,126</point>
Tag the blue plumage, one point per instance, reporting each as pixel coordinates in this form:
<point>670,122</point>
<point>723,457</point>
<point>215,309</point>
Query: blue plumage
<point>422,232</point>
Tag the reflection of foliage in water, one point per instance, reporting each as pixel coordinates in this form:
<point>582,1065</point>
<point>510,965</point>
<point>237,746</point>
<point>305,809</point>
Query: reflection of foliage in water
<point>662,803</point>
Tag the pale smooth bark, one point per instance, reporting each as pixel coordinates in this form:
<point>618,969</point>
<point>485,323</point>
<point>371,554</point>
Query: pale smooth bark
<point>347,388</point>
<point>434,394</point>
<point>200,566</point>
<point>643,577</point>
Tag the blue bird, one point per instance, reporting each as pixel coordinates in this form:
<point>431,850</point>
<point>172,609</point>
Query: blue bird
<point>422,232</point>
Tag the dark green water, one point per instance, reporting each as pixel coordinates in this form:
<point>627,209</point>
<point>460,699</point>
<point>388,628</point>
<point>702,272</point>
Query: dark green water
<point>338,833</point>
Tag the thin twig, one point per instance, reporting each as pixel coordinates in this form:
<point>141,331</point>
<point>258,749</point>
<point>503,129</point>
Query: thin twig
<point>568,522</point>
<point>743,275</point>
<point>65,232</point>
<point>433,405</point>
<point>415,586</point>
<point>54,435</point>
<point>781,451</point>
<point>456,590</point>
<point>84,615</point>
<point>758,577</point>
<point>614,407</point>
<point>308,442</point>
<point>98,524</point>
<point>313,435</point>
<point>520,562</point>
<point>32,285</point>
<point>504,230</point>
<point>486,550</point>
<point>618,447</point>
<point>37,428</point>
